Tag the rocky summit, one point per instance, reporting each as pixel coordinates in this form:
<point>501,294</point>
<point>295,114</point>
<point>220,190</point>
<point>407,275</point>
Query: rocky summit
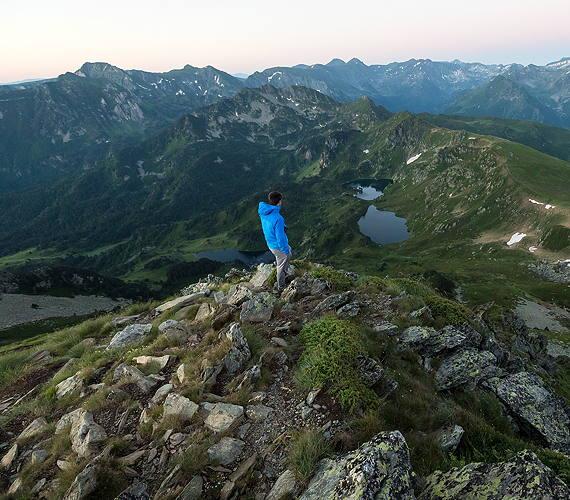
<point>336,388</point>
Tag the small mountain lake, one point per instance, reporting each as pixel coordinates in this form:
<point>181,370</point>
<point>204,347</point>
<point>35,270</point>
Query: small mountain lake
<point>228,255</point>
<point>381,226</point>
<point>369,189</point>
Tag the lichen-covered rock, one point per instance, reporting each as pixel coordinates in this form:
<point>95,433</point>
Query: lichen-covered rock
<point>205,311</point>
<point>350,310</point>
<point>333,302</point>
<point>131,374</point>
<point>524,476</point>
<point>429,342</point>
<point>223,416</point>
<point>84,483</point>
<point>180,407</point>
<point>226,451</point>
<point>9,457</point>
<point>239,352</point>
<point>379,469</point>
<point>536,408</point>
<point>86,434</point>
<point>68,387</point>
<point>136,491</point>
<point>237,295</point>
<point>450,437</point>
<point>370,370</point>
<point>185,300</point>
<point>262,275</point>
<point>284,487</point>
<point>67,420</point>
<point>159,361</point>
<point>131,334</point>
<point>36,427</point>
<point>302,287</point>
<point>259,308</point>
<point>466,369</point>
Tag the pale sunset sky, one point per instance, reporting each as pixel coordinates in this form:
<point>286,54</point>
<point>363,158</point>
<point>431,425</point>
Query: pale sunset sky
<point>40,38</point>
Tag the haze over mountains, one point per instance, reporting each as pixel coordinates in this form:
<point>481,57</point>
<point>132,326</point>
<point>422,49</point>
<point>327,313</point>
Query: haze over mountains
<point>73,121</point>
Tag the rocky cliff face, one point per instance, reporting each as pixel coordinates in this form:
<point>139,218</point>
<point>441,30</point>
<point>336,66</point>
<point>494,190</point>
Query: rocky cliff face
<point>343,386</point>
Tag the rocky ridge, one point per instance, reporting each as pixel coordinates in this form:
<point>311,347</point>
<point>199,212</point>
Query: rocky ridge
<point>210,394</point>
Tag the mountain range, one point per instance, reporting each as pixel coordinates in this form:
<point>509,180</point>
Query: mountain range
<point>51,128</point>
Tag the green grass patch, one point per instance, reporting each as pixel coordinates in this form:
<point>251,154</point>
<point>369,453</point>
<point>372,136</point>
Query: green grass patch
<point>329,360</point>
<point>306,449</point>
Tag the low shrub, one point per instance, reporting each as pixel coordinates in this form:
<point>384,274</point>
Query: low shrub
<point>329,359</point>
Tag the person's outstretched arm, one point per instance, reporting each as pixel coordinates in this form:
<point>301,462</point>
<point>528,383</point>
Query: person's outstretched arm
<point>281,236</point>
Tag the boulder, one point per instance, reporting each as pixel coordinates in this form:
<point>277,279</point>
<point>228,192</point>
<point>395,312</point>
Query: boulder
<point>131,374</point>
<point>350,310</point>
<point>450,437</point>
<point>385,327</point>
<point>237,295</point>
<point>239,352</point>
<point>175,331</point>
<point>67,420</point>
<point>136,491</point>
<point>257,413</point>
<point>15,487</point>
<point>284,487</point>
<point>466,369</point>
<point>524,476</point>
<point>223,416</point>
<point>179,407</point>
<point>160,361</point>
<point>226,451</point>
<point>193,489</point>
<point>40,358</point>
<point>185,300</point>
<point>302,287</point>
<point>205,311</point>
<point>38,456</point>
<point>69,386</point>
<point>333,302</point>
<point>262,275</point>
<point>370,370</point>
<point>161,393</point>
<point>35,428</point>
<point>9,457</point>
<point>430,342</point>
<point>131,334</point>
<point>69,364</point>
<point>536,408</point>
<point>124,320</point>
<point>379,468</point>
<point>259,308</point>
<point>84,483</point>
<point>85,434</point>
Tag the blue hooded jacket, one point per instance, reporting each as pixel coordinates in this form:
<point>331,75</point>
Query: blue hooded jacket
<point>273,225</point>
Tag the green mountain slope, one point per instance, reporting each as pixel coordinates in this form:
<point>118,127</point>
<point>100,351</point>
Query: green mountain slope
<point>551,140</point>
<point>195,186</point>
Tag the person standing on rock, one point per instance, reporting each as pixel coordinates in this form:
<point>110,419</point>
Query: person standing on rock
<point>273,225</point>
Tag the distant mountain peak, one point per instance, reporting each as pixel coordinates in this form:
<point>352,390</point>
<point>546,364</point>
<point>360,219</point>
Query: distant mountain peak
<point>355,60</point>
<point>97,69</point>
<point>336,62</point>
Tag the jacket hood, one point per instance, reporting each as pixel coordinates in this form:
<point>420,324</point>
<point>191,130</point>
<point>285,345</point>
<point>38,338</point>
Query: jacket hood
<point>266,208</point>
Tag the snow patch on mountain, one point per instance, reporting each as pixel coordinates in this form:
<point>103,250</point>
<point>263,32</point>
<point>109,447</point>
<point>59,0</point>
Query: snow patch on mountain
<point>516,238</point>
<point>269,78</point>
<point>413,159</point>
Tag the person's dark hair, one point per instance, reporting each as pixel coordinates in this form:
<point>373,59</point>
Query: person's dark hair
<point>274,197</point>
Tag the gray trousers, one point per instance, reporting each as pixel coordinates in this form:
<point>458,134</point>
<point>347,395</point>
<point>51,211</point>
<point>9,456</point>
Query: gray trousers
<point>282,263</point>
